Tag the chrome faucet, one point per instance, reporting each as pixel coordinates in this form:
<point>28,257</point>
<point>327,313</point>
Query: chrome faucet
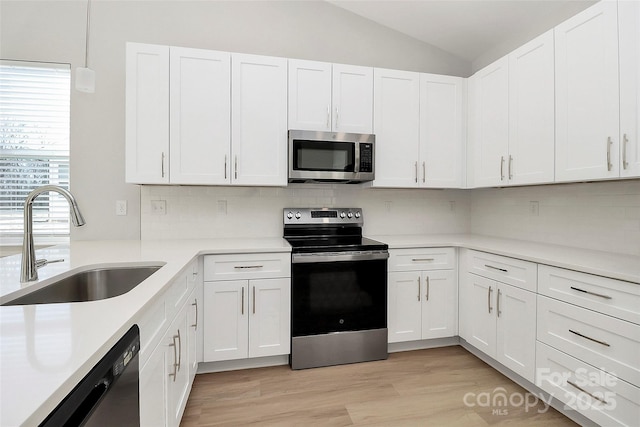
<point>29,267</point>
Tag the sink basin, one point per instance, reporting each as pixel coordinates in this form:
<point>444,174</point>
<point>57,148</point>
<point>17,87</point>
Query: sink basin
<point>89,285</point>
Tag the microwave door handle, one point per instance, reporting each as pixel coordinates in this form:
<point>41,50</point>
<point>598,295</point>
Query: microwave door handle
<point>356,166</point>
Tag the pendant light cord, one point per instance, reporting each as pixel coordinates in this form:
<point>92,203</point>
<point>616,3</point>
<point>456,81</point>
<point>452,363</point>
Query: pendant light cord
<point>86,42</point>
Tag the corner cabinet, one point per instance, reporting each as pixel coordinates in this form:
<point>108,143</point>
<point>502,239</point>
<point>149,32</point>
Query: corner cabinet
<point>247,306</point>
<point>629,38</point>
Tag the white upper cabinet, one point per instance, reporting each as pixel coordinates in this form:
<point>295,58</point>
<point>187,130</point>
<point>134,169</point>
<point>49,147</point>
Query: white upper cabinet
<point>309,95</point>
<point>352,96</point>
<point>147,114</point>
<point>200,116</point>
<point>396,126</point>
<point>629,32</point>
<point>531,112</point>
<point>587,95</point>
<point>258,120</point>
<point>442,119</point>
<point>490,126</point>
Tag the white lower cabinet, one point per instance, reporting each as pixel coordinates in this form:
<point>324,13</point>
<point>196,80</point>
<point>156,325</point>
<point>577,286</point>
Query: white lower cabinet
<point>499,320</point>
<point>246,318</point>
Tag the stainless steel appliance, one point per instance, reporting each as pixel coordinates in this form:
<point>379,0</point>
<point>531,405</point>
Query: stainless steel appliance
<point>338,288</point>
<point>108,395</point>
<point>331,157</point>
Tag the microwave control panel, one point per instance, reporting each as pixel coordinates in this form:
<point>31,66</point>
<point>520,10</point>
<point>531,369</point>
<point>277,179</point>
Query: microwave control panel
<point>366,157</point>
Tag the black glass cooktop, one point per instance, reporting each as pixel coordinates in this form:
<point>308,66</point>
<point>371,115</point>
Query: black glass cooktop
<point>305,244</point>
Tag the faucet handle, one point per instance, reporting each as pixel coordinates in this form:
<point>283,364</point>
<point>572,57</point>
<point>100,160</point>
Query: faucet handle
<point>42,262</point>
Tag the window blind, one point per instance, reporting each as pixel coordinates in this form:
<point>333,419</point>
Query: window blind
<point>34,145</point>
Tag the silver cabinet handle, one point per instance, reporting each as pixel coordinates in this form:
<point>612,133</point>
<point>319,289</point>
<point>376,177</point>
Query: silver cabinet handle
<point>609,164</point>
<point>242,303</point>
<point>179,350</point>
<point>424,172</point>
<point>498,302</point>
<point>625,140</point>
<point>337,116</point>
<point>504,270</point>
<point>590,339</point>
<point>195,303</point>
<point>591,293</point>
<point>225,166</point>
<point>427,295</point>
<point>254,300</point>
<point>162,165</point>
<point>416,171</point>
<point>585,391</point>
<point>489,299</point>
<point>236,167</point>
<point>510,161</point>
<point>328,116</point>
<point>419,288</point>
<point>175,357</point>
<point>241,267</point>
<point>421,259</point>
<point>501,168</point>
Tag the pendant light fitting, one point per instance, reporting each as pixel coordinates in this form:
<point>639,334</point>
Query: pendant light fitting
<point>85,76</point>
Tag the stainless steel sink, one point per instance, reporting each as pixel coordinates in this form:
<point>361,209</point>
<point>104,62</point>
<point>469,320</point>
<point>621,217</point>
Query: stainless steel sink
<point>89,285</point>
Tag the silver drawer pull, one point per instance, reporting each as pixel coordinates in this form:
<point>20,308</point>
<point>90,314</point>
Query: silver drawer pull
<point>422,259</point>
<point>589,338</point>
<point>239,267</point>
<point>591,293</point>
<point>504,270</point>
<point>418,288</point>
<point>585,391</point>
<point>489,299</point>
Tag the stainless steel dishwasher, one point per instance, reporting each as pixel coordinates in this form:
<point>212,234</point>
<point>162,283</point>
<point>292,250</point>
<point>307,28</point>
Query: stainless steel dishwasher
<point>109,394</point>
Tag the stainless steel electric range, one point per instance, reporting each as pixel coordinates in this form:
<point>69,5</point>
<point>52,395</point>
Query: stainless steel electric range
<point>338,288</point>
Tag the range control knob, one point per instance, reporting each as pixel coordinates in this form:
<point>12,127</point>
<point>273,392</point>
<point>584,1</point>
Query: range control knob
<point>290,215</point>
<point>298,215</point>
<point>350,215</point>
<point>342,215</point>
<point>357,214</point>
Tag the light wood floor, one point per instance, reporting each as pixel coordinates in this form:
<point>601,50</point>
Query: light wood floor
<point>415,388</point>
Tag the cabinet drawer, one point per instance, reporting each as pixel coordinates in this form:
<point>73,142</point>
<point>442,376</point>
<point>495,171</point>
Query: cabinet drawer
<point>614,297</point>
<point>560,375</point>
<point>247,266</point>
<point>516,272</point>
<point>422,259</point>
<point>603,341</point>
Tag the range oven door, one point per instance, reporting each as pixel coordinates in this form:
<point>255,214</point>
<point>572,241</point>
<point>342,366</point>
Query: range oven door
<point>338,292</point>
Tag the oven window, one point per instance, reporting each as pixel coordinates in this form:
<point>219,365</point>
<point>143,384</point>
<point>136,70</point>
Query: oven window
<point>338,296</point>
<point>323,156</point>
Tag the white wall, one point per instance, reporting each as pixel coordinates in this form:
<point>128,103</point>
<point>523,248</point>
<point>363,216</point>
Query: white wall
<point>193,212</point>
<point>54,31</point>
<point>600,215</point>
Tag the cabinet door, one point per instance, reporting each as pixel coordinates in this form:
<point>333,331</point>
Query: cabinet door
<point>309,95</point>
<point>629,22</point>
<point>404,315</point>
<point>226,324</point>
<point>531,112</point>
<point>194,327</point>
<point>258,120</point>
<point>439,304</point>
<point>481,321</point>
<point>147,114</point>
<point>516,330</point>
<point>587,97</point>
<point>352,97</point>
<point>179,384</point>
<point>154,378</point>
<point>490,137</point>
<point>396,126</point>
<point>270,318</point>
<point>441,130</point>
<point>200,116</point>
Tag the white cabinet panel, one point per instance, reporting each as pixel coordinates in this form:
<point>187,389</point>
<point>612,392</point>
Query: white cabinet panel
<point>479,314</point>
<point>531,112</point>
<point>153,388</point>
<point>417,259</point>
<point>587,96</point>
<point>439,304</point>
<point>226,328</point>
<point>629,33</point>
<point>259,120</point>
<point>396,126</point>
<point>404,306</point>
<point>270,318</point>
<point>309,95</point>
<point>352,99</point>
<point>147,114</point>
<point>200,109</point>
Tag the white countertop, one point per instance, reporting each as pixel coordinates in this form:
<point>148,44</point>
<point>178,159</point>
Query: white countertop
<point>46,349</point>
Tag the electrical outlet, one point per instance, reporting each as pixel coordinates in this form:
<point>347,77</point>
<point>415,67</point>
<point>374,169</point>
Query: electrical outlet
<point>121,207</point>
<point>452,205</point>
<point>534,208</point>
<point>222,206</point>
<point>158,207</point>
<point>388,205</point>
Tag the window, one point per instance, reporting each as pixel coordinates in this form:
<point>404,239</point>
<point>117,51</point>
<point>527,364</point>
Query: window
<point>34,147</point>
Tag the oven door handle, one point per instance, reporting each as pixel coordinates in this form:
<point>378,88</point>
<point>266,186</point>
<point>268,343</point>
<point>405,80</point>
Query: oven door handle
<point>337,257</point>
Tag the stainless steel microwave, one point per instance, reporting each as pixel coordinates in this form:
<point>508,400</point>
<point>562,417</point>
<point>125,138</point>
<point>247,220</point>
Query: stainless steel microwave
<point>331,157</point>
